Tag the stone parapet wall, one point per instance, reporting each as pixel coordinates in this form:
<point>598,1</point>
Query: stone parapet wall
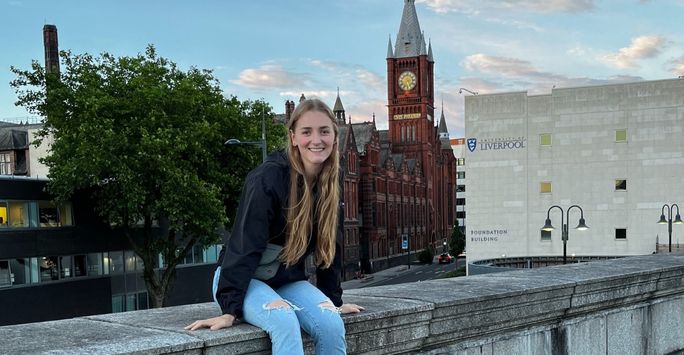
<point>632,305</point>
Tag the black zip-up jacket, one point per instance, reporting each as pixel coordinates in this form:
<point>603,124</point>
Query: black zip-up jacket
<point>261,219</point>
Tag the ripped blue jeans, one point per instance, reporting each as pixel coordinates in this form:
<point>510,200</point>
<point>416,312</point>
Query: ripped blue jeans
<point>305,306</point>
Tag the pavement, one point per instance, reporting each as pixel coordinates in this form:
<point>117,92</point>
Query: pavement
<point>381,275</point>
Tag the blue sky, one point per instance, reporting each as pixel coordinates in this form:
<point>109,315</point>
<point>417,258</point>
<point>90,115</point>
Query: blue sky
<point>277,50</point>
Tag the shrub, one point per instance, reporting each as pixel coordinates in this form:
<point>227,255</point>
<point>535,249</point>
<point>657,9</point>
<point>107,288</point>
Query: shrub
<point>426,256</point>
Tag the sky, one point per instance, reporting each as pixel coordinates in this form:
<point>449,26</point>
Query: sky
<point>278,49</point>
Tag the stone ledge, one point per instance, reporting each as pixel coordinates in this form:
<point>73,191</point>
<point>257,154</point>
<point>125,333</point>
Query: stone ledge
<point>544,309</point>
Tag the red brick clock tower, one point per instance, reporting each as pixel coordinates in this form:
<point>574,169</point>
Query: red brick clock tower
<point>410,91</point>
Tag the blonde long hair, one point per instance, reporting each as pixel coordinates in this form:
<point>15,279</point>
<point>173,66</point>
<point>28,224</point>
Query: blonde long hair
<point>301,200</point>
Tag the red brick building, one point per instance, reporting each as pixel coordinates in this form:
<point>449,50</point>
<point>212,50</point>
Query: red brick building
<point>401,182</point>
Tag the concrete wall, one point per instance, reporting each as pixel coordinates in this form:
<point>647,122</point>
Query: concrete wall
<point>36,168</point>
<point>624,306</point>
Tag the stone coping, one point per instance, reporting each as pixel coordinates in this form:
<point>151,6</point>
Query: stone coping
<point>398,319</point>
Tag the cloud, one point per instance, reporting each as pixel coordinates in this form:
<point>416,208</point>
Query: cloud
<point>351,73</point>
<point>515,74</point>
<point>324,95</point>
<point>514,23</point>
<point>270,76</point>
<point>475,7</point>
<point>363,111</point>
<point>677,66</point>
<point>641,48</point>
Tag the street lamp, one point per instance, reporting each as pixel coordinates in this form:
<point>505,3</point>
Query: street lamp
<point>564,233</point>
<point>678,220</point>
<point>261,142</point>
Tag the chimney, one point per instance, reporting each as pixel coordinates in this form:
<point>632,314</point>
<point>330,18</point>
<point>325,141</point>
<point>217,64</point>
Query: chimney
<point>51,49</point>
<point>289,108</point>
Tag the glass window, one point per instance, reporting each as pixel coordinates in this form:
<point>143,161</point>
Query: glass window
<point>545,187</point>
<point>65,214</point>
<point>33,214</point>
<point>35,270</point>
<point>21,271</point>
<point>460,214</point>
<point>65,265</point>
<point>80,266</point>
<point>545,139</point>
<point>460,174</point>
<point>460,161</point>
<point>139,264</point>
<point>197,254</point>
<point>545,235</point>
<point>106,262</point>
<point>18,214</point>
<point>3,214</point>
<point>460,188</point>
<point>48,215</point>
<point>130,260</point>
<point>116,262</point>
<point>117,303</point>
<point>5,279</point>
<point>49,270</point>
<point>94,264</point>
<point>130,302</point>
<point>460,202</point>
<point>621,135</point>
<point>620,185</point>
<point>620,233</point>
<point>142,300</point>
<point>212,255</point>
<point>188,256</point>
<point>6,163</point>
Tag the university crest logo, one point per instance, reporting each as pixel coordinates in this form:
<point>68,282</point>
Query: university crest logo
<point>472,143</point>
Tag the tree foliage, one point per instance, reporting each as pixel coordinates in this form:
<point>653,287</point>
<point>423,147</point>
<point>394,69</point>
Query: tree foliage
<point>457,242</point>
<point>145,140</point>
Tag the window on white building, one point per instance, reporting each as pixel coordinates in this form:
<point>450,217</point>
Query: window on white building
<point>460,174</point>
<point>545,235</point>
<point>621,135</point>
<point>620,185</point>
<point>460,161</point>
<point>620,233</point>
<point>545,187</point>
<point>545,139</point>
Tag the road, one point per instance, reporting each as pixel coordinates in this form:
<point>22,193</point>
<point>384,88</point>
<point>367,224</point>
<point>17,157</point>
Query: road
<point>420,272</point>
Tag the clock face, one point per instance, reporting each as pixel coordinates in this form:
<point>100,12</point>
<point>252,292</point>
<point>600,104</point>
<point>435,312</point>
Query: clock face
<point>407,80</point>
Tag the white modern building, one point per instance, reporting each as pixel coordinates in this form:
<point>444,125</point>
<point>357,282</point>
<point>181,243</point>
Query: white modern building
<point>459,147</point>
<point>617,151</point>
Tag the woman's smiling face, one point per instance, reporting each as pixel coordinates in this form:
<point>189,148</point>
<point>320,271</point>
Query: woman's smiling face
<point>314,137</point>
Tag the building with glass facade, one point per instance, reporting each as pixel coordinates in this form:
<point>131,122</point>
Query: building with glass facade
<point>61,260</point>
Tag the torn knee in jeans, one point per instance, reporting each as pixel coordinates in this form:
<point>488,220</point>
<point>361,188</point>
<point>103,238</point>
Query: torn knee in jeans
<point>280,304</point>
<point>328,305</point>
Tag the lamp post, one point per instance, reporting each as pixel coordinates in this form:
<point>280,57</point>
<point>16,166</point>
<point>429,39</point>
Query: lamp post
<point>564,232</point>
<point>261,142</point>
<point>678,220</point>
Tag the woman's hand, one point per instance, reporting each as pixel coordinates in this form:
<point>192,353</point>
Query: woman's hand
<point>350,308</point>
<point>215,323</point>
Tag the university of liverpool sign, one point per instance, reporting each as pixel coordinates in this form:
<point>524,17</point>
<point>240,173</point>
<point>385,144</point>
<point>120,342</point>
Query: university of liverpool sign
<point>496,143</point>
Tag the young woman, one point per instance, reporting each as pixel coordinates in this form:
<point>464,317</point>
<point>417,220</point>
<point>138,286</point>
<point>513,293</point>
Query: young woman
<point>291,200</point>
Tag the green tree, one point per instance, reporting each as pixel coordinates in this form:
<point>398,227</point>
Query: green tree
<point>145,140</point>
<point>457,242</point>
